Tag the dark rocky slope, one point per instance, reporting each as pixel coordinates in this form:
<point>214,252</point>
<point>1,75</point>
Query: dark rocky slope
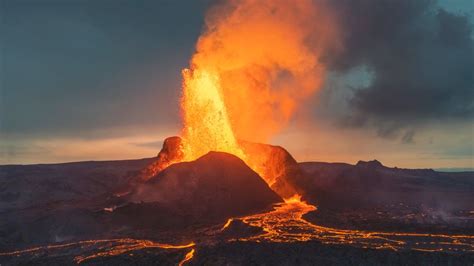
<point>217,185</point>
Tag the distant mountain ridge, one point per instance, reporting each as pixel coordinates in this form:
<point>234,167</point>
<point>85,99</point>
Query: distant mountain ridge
<point>372,183</point>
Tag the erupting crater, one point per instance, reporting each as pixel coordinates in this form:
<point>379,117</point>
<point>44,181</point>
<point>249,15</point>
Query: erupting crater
<point>274,164</point>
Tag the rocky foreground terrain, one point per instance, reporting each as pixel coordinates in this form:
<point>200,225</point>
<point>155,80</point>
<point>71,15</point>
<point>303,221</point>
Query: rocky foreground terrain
<point>211,211</point>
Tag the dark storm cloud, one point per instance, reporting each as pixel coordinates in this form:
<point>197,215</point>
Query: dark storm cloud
<point>71,67</point>
<point>421,58</point>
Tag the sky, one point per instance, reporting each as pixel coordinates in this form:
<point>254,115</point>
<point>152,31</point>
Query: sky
<point>100,80</point>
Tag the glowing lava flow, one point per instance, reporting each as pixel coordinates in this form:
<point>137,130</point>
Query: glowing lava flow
<point>102,248</point>
<point>286,224</point>
<point>189,256</point>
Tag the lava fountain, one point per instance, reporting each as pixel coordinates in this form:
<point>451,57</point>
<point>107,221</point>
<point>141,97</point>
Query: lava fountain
<point>254,65</point>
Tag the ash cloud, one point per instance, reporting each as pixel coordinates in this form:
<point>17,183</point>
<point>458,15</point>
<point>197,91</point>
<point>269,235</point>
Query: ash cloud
<point>422,61</point>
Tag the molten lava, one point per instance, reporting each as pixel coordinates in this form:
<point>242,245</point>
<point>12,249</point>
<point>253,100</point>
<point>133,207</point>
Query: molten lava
<point>189,256</point>
<point>286,224</point>
<point>207,125</point>
<point>95,249</point>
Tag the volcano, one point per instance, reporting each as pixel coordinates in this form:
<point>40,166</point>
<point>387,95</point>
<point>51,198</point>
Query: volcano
<point>217,185</point>
<point>220,193</point>
<point>278,168</point>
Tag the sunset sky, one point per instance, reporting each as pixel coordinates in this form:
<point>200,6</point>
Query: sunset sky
<point>100,80</point>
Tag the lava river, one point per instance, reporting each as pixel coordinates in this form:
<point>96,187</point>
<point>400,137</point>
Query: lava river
<point>286,224</point>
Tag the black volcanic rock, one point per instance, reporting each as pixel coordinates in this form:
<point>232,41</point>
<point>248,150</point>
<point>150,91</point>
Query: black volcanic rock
<point>47,203</point>
<point>238,229</point>
<point>170,153</point>
<point>371,196</point>
<point>33,186</point>
<point>373,183</point>
<point>215,186</point>
<point>316,253</point>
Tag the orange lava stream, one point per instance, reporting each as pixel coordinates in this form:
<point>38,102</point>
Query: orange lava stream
<point>103,248</point>
<point>286,224</point>
<point>189,256</point>
<point>227,224</point>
